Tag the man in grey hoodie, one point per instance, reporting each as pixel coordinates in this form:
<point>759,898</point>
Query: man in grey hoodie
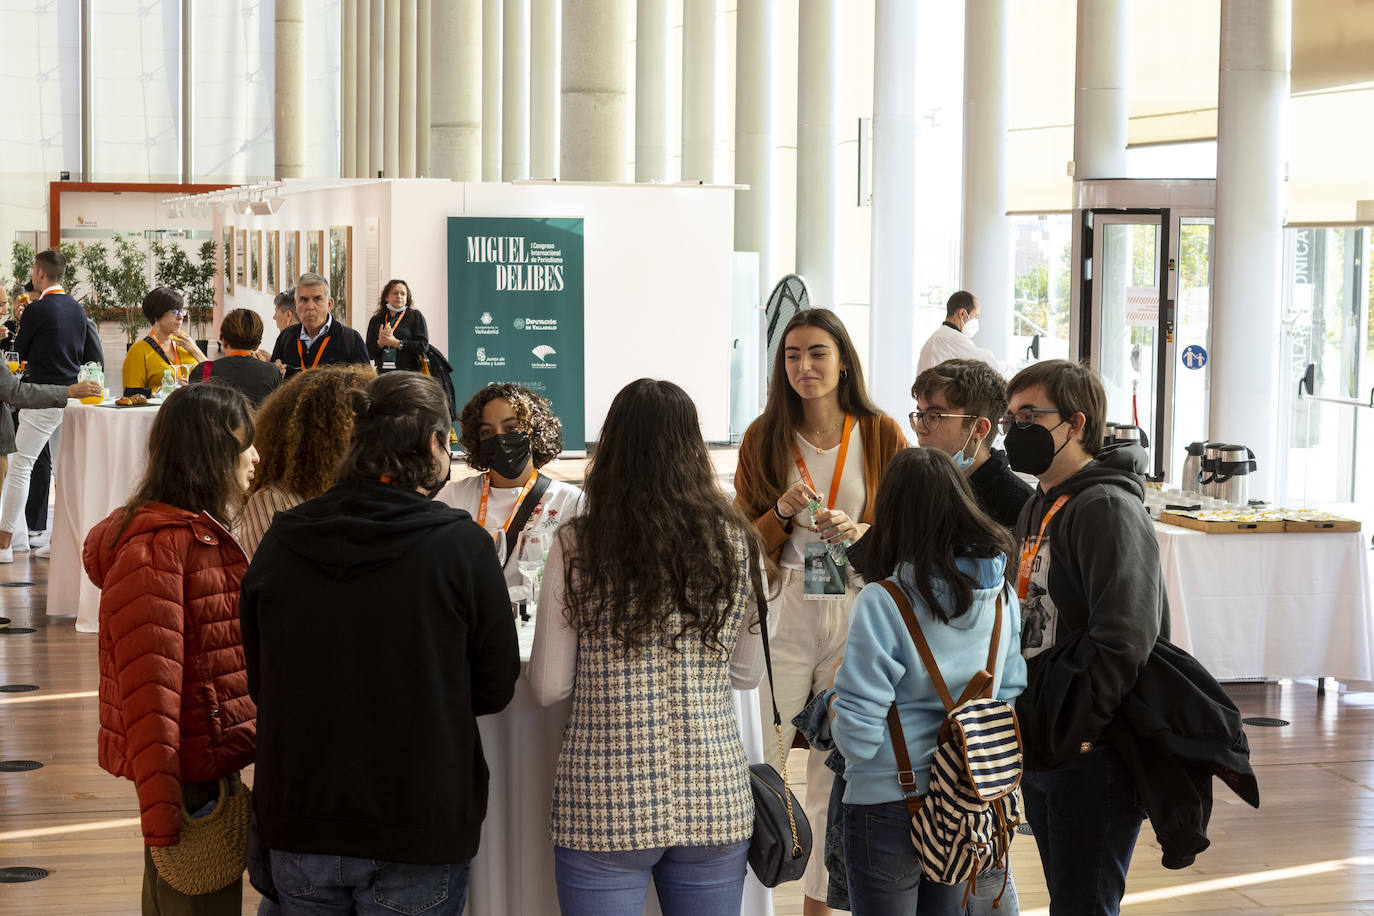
<point>1089,581</point>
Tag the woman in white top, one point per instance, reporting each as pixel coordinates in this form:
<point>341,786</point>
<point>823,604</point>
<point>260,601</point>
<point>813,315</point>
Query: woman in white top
<point>508,433</point>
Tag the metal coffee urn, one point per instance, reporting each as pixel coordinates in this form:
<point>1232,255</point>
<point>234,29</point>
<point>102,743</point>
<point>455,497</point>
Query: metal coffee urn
<point>1192,468</point>
<point>1234,465</point>
<point>1211,454</point>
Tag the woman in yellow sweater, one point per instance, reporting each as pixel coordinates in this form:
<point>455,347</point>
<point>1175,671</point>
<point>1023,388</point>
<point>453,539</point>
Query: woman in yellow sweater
<point>163,347</point>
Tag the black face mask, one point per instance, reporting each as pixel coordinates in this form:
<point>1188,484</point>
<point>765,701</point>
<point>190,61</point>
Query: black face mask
<point>506,454</point>
<point>1030,449</point>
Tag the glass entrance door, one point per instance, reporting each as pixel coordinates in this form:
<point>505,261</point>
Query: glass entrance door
<point>1192,343</point>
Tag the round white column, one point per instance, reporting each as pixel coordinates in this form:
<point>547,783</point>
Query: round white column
<point>985,238</point>
<point>289,89</point>
<point>653,90</point>
<point>377,111</point>
<point>515,90</point>
<point>892,346</point>
<point>818,106</point>
<point>756,48</point>
<point>348,92</point>
<point>703,95</point>
<point>456,134</point>
<point>363,91</point>
<point>544,66</point>
<point>392,88</point>
<point>424,29</point>
<point>1252,153</point>
<point>491,90</point>
<point>405,130</point>
<point>1099,107</point>
<point>596,64</point>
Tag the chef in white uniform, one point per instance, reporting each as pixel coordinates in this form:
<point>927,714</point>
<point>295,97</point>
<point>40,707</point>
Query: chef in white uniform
<point>953,339</point>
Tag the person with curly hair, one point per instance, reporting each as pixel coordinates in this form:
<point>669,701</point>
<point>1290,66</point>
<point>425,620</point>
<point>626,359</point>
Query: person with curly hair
<point>397,335</point>
<point>508,432</point>
<point>303,429</point>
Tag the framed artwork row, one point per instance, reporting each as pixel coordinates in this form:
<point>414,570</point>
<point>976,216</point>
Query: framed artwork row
<point>273,260</point>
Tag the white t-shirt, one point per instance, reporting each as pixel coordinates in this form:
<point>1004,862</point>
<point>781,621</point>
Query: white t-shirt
<point>560,502</point>
<point>949,343</point>
<point>850,499</point>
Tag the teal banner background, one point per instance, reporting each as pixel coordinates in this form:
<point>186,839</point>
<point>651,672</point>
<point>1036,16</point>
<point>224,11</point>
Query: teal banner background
<point>516,311</point>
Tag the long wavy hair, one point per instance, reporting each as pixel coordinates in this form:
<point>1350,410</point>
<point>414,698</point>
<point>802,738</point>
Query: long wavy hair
<point>927,516</point>
<point>386,291</point>
<point>303,429</point>
<point>658,533</point>
<point>782,416</point>
<point>193,454</point>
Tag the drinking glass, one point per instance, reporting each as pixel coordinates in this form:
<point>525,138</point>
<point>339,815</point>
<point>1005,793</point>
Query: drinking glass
<point>534,548</point>
<point>12,358</point>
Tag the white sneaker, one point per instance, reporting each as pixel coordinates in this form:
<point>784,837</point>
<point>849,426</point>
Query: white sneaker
<point>39,538</point>
<point>6,555</point>
<point>44,552</point>
<point>18,546</point>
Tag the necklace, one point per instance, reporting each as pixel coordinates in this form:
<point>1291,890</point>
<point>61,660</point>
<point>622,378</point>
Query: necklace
<point>818,433</point>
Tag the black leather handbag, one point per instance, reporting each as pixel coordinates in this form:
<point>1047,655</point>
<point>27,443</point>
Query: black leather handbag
<point>781,844</point>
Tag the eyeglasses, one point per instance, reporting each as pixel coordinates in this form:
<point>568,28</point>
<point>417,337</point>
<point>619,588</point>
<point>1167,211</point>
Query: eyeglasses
<point>1023,417</point>
<point>932,418</point>
<point>180,313</point>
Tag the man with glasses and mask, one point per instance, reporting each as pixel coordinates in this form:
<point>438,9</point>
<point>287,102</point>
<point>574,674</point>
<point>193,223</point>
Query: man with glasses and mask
<point>1092,606</point>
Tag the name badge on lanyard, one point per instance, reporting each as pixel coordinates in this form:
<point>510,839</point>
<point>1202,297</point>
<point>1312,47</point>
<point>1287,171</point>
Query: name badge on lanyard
<point>388,358</point>
<point>822,578</point>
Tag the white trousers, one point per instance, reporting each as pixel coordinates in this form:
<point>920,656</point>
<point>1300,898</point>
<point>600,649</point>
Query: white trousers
<point>36,429</point>
<point>810,639</point>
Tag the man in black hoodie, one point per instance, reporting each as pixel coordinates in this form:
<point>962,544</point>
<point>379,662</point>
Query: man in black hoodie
<point>1089,567</point>
<point>376,628</point>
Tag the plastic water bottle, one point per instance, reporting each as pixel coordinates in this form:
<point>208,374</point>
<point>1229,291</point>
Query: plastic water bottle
<point>169,383</point>
<point>837,551</point>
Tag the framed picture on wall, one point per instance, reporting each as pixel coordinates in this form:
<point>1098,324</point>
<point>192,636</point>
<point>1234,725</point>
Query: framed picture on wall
<point>227,251</point>
<point>314,251</point>
<point>241,257</point>
<point>291,258</point>
<point>255,259</point>
<point>341,271</point>
<point>270,263</point>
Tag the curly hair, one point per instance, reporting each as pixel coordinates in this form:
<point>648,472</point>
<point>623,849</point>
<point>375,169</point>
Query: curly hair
<point>304,427</point>
<point>533,411</point>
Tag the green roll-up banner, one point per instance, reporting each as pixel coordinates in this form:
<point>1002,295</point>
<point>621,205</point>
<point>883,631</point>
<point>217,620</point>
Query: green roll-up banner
<point>515,311</point>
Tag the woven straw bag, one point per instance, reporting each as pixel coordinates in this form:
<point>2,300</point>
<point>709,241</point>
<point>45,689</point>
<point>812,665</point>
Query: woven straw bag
<point>212,850</point>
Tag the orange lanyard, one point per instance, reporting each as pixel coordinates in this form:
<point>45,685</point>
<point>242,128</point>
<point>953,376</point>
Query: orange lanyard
<point>248,352</point>
<point>1031,549</point>
<point>171,349</point>
<point>391,328</point>
<point>486,492</point>
<point>839,463</point>
<point>300,351</point>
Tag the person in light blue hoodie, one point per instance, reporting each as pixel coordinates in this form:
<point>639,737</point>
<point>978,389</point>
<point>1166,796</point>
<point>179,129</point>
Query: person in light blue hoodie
<point>950,558</point>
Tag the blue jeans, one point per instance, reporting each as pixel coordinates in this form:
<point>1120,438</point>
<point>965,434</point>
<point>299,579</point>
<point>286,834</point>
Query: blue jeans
<point>1086,821</point>
<point>311,884</point>
<point>691,880</point>
<point>885,873</point>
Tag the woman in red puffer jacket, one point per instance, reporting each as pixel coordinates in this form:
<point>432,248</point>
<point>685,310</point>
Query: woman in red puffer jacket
<point>175,715</point>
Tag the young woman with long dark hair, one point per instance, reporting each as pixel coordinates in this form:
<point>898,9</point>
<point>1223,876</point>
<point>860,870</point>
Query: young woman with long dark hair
<point>397,335</point>
<point>647,618</point>
<point>175,715</point>
<point>949,559</point>
<point>820,437</point>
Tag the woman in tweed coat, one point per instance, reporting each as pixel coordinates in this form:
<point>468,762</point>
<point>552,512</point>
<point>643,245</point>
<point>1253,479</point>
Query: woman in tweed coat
<point>647,618</point>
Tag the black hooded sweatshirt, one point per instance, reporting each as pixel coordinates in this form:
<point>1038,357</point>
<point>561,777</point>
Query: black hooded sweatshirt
<point>1097,573</point>
<point>376,627</point>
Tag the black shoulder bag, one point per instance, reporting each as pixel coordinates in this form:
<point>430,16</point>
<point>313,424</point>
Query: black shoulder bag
<point>517,524</point>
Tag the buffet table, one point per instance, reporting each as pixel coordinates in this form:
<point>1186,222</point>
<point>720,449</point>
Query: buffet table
<point>1270,605</point>
<point>103,455</point>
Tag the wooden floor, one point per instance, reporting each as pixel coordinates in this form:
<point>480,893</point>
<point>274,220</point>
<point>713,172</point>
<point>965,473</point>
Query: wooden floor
<point>1309,849</point>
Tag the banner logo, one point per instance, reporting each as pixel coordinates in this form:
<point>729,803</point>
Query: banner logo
<point>542,351</point>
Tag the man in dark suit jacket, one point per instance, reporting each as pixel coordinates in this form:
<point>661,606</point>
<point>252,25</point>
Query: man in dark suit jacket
<point>52,341</point>
<point>318,340</point>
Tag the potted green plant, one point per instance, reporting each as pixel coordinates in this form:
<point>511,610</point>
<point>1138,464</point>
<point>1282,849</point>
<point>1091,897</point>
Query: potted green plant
<point>200,291</point>
<point>99,294</point>
<point>21,253</point>
<point>129,277</point>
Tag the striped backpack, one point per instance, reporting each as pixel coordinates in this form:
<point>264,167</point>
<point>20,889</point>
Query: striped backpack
<point>964,824</point>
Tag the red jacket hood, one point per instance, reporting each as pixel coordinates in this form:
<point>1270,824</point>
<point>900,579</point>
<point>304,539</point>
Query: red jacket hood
<point>99,552</point>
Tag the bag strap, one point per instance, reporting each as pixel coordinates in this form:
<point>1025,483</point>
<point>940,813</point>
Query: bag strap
<point>761,600</point>
<point>517,524</point>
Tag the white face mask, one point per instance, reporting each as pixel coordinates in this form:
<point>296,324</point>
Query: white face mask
<point>971,327</point>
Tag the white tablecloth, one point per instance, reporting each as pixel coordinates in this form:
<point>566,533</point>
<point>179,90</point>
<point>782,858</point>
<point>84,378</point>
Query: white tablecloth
<point>513,871</point>
<point>103,456</point>
<point>1270,605</point>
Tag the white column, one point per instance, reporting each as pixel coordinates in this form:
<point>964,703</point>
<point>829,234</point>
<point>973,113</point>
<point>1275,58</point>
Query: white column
<point>596,63</point>
<point>456,135</point>
<point>289,89</point>
<point>406,131</point>
<point>818,106</point>
<point>348,91</point>
<point>377,111</point>
<point>424,29</point>
<point>892,349</point>
<point>545,16</point>
<point>491,90</point>
<point>1252,154</point>
<point>1099,107</point>
<point>392,88</point>
<point>653,89</point>
<point>756,49</point>
<point>363,90</point>
<point>703,90</point>
<point>515,90</point>
<point>985,240</point>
